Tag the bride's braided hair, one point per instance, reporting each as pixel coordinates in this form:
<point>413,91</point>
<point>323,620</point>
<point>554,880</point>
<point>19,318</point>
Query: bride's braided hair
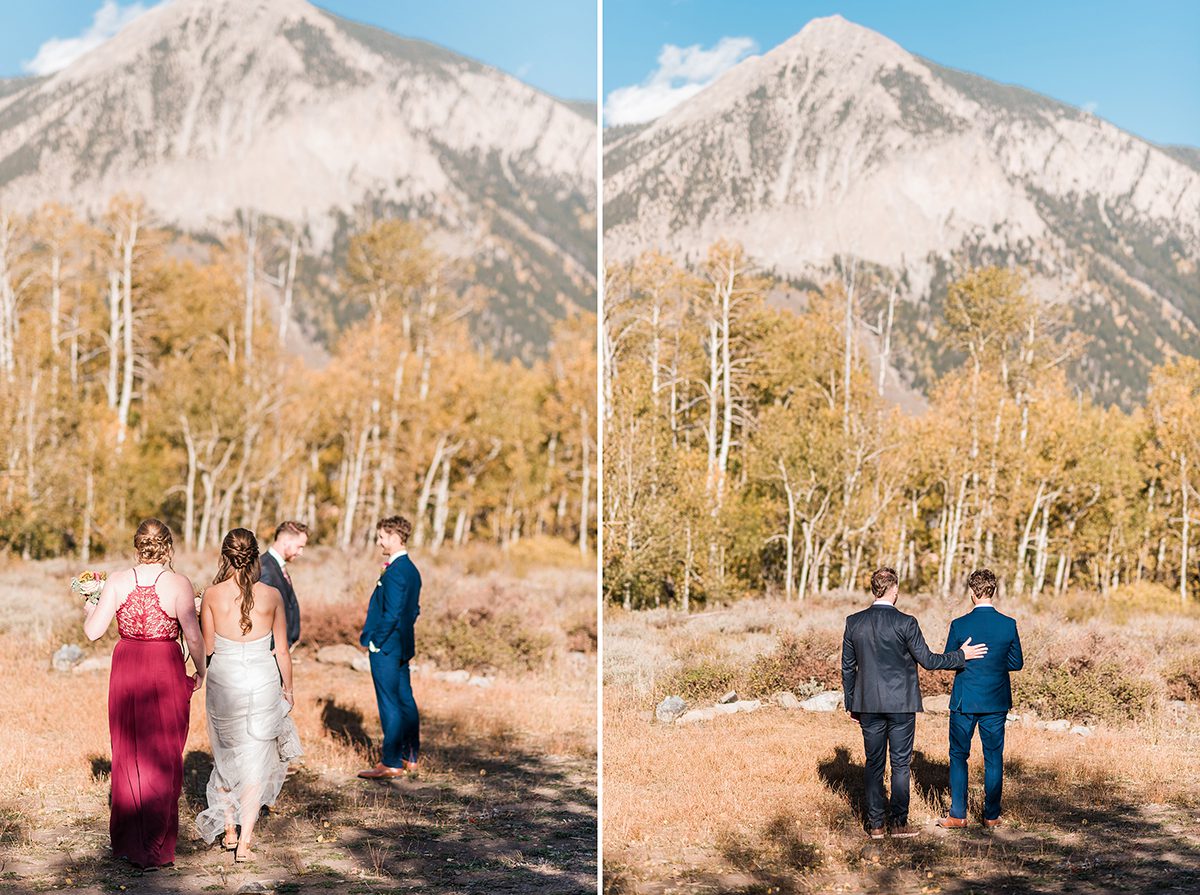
<point>239,560</point>
<point>152,542</point>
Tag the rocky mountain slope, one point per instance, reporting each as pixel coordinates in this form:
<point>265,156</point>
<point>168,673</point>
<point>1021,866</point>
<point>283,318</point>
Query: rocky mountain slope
<point>840,144</point>
<point>211,108</point>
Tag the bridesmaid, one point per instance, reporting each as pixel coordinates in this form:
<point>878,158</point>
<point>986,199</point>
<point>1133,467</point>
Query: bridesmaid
<point>149,695</point>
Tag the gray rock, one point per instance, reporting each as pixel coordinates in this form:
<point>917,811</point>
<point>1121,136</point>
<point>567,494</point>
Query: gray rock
<point>670,709</point>
<point>696,715</point>
<point>786,699</point>
<point>1062,725</point>
<point>461,676</point>
<point>829,701</point>
<point>341,654</point>
<point>729,697</point>
<point>1012,717</point>
<point>937,705</point>
<point>714,711</point>
<point>743,705</point>
<point>92,663</point>
<point>481,681</point>
<point>253,887</point>
<point>1081,730</point>
<point>362,662</point>
<point>66,657</point>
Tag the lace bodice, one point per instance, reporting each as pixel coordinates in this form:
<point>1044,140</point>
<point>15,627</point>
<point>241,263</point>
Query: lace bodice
<point>141,616</point>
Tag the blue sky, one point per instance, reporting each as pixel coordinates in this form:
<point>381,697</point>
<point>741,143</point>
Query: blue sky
<point>1136,64</point>
<point>550,44</point>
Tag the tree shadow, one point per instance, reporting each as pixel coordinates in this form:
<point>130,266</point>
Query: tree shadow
<point>345,725</point>
<point>488,814</point>
<point>1059,835</point>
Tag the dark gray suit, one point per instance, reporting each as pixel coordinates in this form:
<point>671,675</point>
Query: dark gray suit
<point>273,575</point>
<point>881,649</point>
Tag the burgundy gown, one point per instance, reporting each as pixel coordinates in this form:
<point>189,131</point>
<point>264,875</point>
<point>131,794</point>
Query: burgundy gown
<point>149,698</point>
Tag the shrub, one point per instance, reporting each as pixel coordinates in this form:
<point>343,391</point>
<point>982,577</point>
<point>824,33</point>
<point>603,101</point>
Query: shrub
<point>705,680</point>
<point>1183,678</point>
<point>1081,688</point>
<point>479,639</point>
<point>581,632</point>
<point>804,665</point>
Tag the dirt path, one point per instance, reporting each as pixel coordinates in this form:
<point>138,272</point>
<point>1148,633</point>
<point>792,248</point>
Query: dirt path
<point>517,823</point>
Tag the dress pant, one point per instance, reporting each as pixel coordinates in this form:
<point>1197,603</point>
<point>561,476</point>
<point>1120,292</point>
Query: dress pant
<point>991,734</point>
<point>887,736</point>
<point>397,709</point>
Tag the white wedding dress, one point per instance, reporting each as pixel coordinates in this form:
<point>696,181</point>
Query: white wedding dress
<point>252,735</point>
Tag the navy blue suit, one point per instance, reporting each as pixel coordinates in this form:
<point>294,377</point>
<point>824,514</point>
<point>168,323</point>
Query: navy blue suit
<point>981,697</point>
<point>391,616</point>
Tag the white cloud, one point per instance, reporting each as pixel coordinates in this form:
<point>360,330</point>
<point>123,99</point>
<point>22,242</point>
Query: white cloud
<point>682,73</point>
<point>59,52</point>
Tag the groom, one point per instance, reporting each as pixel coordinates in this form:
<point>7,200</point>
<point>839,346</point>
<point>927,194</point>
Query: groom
<point>881,649</point>
<point>290,541</point>
<point>388,635</point>
<point>981,697</point>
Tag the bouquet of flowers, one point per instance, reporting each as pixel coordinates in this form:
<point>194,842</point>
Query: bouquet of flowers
<point>88,585</point>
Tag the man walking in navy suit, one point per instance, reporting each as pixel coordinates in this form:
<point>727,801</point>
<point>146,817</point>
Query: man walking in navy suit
<point>881,649</point>
<point>981,697</point>
<point>388,635</point>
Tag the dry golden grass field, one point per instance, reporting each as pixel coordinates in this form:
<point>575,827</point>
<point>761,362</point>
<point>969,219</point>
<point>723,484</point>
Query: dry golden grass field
<point>506,798</point>
<point>771,801</point>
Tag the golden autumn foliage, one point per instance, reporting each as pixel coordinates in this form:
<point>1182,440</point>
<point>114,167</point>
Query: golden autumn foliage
<point>142,374</point>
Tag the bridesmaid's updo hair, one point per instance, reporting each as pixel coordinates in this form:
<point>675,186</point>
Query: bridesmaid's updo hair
<point>153,543</point>
<point>239,560</point>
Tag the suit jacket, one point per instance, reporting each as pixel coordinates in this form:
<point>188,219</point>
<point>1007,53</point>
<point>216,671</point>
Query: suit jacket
<point>394,607</point>
<point>881,649</point>
<point>272,574</point>
<point>983,685</point>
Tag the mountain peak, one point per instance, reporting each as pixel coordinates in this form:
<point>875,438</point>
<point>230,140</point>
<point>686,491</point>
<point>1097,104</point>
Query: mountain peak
<point>206,108</point>
<point>835,35</point>
<point>840,142</point>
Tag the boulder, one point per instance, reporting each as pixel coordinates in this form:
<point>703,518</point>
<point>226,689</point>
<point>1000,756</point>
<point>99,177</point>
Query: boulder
<point>1062,725</point>
<point>670,709</point>
<point>786,699</point>
<point>729,697</point>
<point>66,657</point>
<point>361,662</point>
<point>342,654</point>
<point>481,680</point>
<point>93,663</point>
<point>937,705</point>
<point>743,705</point>
<point>697,715</point>
<point>829,701</point>
<point>461,676</point>
<point>1081,730</point>
<point>713,711</point>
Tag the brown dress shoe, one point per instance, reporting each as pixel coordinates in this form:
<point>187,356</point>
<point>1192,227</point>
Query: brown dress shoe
<point>876,832</point>
<point>991,824</point>
<point>381,772</point>
<point>904,831</point>
<point>952,823</point>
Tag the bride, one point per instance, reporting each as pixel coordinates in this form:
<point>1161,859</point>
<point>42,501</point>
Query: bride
<point>252,736</point>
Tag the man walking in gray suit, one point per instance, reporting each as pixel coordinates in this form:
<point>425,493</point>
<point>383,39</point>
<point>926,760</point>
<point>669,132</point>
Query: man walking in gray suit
<point>881,649</point>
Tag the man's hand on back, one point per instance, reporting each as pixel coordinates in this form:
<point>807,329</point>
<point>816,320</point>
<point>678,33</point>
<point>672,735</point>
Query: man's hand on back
<point>976,651</point>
